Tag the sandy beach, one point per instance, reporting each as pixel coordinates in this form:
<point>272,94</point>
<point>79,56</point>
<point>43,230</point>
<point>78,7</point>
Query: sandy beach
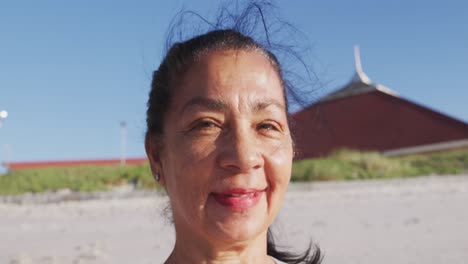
<point>418,220</point>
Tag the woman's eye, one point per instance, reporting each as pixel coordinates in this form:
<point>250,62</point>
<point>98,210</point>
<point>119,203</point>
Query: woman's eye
<point>205,125</point>
<point>268,127</point>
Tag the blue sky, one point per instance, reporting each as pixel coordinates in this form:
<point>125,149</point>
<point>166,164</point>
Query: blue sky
<point>70,71</point>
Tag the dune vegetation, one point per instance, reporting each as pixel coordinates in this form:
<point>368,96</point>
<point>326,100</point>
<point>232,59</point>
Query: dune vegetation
<point>341,165</point>
<point>78,178</point>
<point>351,165</point>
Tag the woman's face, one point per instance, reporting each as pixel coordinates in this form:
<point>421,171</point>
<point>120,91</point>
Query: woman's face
<point>227,151</point>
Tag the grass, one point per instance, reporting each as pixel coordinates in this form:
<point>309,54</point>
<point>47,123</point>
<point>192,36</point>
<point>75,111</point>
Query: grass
<point>79,178</point>
<point>341,165</point>
<point>351,165</point>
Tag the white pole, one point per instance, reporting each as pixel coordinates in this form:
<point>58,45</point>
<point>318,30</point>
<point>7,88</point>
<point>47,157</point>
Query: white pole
<point>123,142</point>
<point>6,159</point>
<point>357,59</point>
<point>3,115</point>
<point>7,154</point>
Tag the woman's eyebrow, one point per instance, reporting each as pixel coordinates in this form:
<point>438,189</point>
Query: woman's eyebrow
<point>262,104</point>
<point>208,103</point>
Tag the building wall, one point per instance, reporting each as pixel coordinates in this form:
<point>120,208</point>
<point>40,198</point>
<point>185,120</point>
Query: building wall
<point>371,121</point>
<point>71,163</point>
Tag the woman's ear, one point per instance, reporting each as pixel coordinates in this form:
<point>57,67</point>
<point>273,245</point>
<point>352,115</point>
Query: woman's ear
<point>154,160</point>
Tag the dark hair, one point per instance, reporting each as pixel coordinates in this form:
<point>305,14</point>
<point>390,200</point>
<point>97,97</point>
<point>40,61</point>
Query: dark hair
<point>181,55</point>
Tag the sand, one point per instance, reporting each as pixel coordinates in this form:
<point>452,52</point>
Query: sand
<point>419,220</point>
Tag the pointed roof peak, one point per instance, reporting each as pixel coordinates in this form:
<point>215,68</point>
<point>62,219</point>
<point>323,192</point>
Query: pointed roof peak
<point>360,76</point>
<point>360,83</point>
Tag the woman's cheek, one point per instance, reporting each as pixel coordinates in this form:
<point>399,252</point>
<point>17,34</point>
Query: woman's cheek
<point>280,154</point>
<point>188,150</point>
<point>278,171</point>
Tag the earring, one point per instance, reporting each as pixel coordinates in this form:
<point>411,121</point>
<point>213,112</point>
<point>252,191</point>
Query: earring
<point>157,177</point>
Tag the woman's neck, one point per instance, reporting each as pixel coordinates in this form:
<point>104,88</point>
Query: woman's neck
<point>198,250</point>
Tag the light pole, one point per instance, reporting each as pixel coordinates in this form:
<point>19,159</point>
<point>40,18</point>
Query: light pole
<point>7,154</point>
<point>123,142</point>
<point>3,116</point>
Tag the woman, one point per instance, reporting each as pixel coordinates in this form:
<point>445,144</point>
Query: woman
<point>219,141</point>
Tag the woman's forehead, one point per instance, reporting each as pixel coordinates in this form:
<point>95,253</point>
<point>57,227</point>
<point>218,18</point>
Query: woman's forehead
<point>231,75</point>
<point>222,105</point>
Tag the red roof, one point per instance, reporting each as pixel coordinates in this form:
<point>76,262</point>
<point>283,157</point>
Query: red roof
<point>371,120</point>
<point>69,163</point>
<point>367,116</point>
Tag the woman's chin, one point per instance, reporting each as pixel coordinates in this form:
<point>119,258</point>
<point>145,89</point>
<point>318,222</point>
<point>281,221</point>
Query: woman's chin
<point>236,224</point>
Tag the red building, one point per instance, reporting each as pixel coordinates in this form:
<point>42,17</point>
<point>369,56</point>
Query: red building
<point>367,116</point>
<point>71,163</point>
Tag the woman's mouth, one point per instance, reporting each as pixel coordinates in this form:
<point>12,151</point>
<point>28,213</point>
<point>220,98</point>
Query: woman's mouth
<point>238,199</point>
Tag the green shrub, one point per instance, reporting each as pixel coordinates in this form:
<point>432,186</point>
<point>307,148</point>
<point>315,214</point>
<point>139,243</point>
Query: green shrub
<point>340,165</point>
<point>78,178</point>
<point>349,164</point>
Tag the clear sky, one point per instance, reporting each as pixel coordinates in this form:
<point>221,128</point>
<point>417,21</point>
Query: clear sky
<point>70,71</point>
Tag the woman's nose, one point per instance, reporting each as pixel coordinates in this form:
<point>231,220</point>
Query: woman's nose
<point>240,152</point>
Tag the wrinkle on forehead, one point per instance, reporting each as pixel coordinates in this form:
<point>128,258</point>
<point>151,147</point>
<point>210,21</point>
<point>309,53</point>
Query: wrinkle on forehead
<point>262,76</point>
<point>260,73</point>
<point>239,78</point>
<point>221,105</point>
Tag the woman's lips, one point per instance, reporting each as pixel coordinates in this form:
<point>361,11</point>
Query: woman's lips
<point>238,199</point>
